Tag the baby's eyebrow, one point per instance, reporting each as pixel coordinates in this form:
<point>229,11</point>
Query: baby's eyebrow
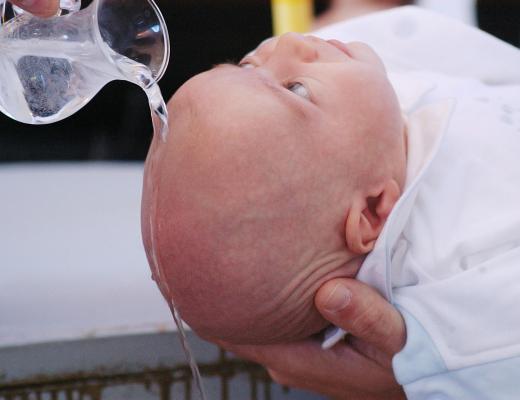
<point>226,64</point>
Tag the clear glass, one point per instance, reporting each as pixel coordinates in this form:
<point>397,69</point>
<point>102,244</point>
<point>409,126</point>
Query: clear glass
<point>50,68</point>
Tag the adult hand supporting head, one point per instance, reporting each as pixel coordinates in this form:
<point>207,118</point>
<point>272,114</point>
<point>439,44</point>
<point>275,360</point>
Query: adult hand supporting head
<point>39,8</point>
<point>357,369</point>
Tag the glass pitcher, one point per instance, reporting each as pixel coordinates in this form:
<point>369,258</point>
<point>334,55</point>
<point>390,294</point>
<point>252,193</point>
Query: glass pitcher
<point>50,68</point>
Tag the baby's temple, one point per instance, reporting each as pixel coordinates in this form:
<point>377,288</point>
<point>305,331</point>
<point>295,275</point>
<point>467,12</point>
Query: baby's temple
<point>331,214</point>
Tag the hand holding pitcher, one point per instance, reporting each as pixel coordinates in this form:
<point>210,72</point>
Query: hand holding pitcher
<point>39,8</point>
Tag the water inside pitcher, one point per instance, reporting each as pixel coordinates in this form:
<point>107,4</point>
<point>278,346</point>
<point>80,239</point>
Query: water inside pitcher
<point>50,68</point>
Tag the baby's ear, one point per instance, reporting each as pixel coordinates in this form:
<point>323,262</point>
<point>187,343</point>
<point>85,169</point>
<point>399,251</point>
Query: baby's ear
<point>367,216</point>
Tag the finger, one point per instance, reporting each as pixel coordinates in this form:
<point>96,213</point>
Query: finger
<point>368,350</point>
<point>307,359</point>
<point>40,8</point>
<point>361,311</point>
<point>275,356</point>
<point>331,389</point>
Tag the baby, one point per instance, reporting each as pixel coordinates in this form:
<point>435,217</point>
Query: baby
<point>277,175</point>
<point>296,167</point>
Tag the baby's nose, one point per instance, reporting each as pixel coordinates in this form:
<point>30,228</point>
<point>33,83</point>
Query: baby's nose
<point>297,46</point>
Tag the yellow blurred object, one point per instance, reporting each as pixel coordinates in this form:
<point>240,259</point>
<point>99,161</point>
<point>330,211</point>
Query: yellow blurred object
<point>291,15</point>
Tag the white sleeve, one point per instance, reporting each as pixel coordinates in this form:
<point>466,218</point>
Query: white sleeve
<point>421,370</point>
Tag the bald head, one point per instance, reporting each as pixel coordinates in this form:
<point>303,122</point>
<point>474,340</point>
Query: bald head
<point>251,192</point>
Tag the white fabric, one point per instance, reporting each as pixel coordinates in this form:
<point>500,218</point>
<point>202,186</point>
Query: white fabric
<point>449,255</point>
<point>409,38</point>
<point>453,263</point>
<point>421,139</point>
<point>421,369</point>
<point>463,10</point>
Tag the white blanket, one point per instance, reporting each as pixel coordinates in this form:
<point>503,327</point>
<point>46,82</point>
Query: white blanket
<point>411,38</point>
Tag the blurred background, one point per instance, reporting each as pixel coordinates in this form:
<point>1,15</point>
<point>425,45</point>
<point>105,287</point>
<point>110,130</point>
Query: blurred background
<point>80,316</point>
<point>116,124</point>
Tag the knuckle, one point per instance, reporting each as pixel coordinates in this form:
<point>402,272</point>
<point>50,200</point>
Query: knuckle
<point>369,323</point>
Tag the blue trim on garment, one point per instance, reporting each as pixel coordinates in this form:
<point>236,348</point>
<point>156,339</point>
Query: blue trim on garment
<point>419,357</point>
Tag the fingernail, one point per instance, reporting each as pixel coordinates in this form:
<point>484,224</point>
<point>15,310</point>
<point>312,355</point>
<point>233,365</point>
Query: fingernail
<point>338,298</point>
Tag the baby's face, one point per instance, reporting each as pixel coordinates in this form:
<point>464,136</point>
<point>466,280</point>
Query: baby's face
<point>249,194</point>
<point>320,79</point>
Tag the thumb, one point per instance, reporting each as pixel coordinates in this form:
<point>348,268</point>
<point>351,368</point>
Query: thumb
<point>363,312</point>
<point>39,8</point>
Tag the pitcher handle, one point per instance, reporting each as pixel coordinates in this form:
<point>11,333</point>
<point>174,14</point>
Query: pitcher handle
<point>3,3</point>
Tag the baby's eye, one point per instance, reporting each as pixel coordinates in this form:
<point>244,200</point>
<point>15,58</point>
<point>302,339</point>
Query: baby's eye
<point>246,65</point>
<point>298,89</point>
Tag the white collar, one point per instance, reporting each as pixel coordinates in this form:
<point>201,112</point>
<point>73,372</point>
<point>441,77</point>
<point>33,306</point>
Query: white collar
<point>432,120</point>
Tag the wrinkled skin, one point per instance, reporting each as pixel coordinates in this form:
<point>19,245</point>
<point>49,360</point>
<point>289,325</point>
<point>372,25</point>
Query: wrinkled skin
<point>359,369</point>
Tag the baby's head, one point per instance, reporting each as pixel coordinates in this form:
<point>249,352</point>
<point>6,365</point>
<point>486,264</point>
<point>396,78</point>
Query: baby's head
<point>277,175</point>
